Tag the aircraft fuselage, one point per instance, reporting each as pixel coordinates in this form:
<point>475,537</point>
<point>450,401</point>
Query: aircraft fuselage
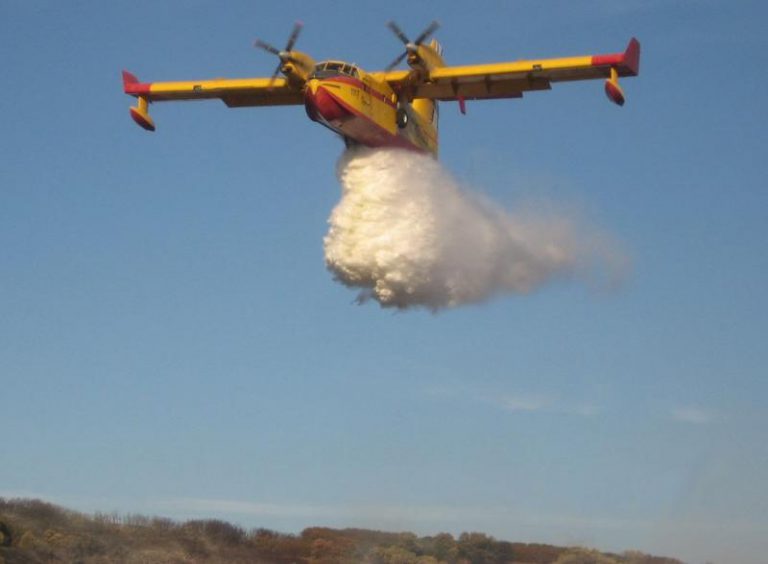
<point>366,111</point>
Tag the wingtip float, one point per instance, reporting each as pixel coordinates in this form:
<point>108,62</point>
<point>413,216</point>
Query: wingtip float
<point>389,108</point>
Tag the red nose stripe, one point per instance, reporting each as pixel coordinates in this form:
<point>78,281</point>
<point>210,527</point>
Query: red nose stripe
<point>325,104</point>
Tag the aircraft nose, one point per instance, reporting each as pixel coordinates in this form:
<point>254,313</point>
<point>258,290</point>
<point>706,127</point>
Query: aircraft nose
<point>312,85</point>
<point>321,104</point>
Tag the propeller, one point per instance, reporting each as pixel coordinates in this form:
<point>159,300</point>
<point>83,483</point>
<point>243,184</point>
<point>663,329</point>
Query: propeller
<point>285,55</point>
<point>410,47</point>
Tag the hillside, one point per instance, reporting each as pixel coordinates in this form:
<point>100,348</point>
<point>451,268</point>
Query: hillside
<point>32,531</point>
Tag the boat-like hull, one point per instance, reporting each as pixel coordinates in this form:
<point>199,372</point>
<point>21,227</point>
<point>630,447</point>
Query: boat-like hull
<point>361,115</point>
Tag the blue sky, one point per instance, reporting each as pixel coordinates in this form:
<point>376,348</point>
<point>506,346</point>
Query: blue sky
<point>171,343</point>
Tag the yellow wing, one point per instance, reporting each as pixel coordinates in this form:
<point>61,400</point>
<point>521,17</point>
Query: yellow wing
<point>511,79</point>
<point>234,93</point>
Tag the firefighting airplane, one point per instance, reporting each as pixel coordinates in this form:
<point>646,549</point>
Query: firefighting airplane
<point>389,108</point>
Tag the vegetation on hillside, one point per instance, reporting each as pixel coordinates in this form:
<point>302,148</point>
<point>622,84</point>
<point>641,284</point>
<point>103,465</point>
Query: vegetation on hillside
<point>32,531</point>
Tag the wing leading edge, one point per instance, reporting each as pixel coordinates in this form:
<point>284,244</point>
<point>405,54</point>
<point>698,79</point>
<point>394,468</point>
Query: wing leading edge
<point>234,93</point>
<point>445,83</point>
<point>511,79</point>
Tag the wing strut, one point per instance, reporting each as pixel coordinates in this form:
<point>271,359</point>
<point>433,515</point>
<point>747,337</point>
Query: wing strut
<point>613,90</point>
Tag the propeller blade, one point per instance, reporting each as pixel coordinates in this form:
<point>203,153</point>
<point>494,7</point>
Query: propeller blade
<point>285,55</point>
<point>274,74</point>
<point>294,35</point>
<point>396,62</point>
<point>427,32</point>
<point>398,32</point>
<point>267,47</point>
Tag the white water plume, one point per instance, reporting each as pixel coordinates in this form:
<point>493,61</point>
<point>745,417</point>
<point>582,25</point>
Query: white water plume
<point>406,234</point>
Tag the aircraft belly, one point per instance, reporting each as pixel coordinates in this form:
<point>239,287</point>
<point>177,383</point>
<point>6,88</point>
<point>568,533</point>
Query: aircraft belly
<point>358,122</point>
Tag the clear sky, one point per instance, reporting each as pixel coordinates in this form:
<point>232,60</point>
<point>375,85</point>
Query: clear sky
<point>171,343</point>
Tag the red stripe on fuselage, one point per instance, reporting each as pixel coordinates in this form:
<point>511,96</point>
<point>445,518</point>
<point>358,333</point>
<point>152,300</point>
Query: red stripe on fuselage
<point>357,83</point>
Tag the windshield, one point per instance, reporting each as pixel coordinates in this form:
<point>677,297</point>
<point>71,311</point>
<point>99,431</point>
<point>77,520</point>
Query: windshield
<point>334,68</point>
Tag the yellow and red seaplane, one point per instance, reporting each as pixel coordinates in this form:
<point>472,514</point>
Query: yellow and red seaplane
<point>389,108</point>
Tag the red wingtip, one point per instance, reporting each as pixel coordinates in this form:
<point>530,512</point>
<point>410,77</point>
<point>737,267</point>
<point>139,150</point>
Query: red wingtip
<point>129,78</point>
<point>627,63</point>
<point>632,57</point>
<point>131,85</point>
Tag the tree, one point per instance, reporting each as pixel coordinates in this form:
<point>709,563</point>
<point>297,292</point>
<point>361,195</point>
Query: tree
<point>445,548</point>
<point>479,548</point>
<point>585,556</point>
<point>392,555</point>
<point>5,535</point>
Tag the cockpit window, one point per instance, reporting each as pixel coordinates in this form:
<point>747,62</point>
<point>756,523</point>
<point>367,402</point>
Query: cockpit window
<point>334,68</point>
